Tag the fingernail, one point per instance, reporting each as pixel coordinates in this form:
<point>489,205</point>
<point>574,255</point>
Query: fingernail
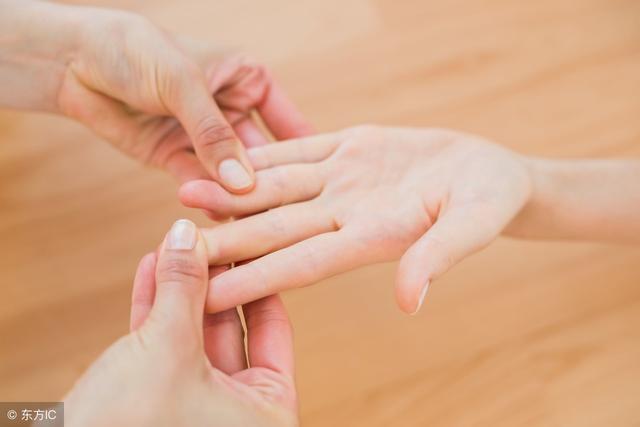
<point>422,295</point>
<point>182,235</point>
<point>233,174</point>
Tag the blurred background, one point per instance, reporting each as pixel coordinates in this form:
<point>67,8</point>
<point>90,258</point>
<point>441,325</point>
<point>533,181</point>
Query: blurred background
<point>522,334</point>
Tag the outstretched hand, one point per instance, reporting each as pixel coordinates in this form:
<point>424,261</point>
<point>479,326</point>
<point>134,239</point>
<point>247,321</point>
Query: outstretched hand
<point>364,195</point>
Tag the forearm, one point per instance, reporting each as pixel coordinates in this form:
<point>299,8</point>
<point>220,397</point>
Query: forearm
<point>37,41</point>
<point>581,199</point>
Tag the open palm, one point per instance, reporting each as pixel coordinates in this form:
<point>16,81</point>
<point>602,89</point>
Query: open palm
<point>361,196</point>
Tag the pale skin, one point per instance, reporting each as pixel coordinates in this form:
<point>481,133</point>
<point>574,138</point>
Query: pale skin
<point>182,106</point>
<point>429,197</point>
<point>181,367</point>
<point>333,203</point>
<point>144,90</point>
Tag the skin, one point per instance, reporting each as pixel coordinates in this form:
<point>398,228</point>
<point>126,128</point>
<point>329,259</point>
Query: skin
<point>430,197</point>
<point>181,367</point>
<point>180,105</point>
<point>146,91</point>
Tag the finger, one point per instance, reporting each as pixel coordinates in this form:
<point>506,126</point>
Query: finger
<point>249,133</point>
<point>456,234</point>
<point>281,115</point>
<point>224,341</point>
<point>224,337</point>
<point>257,235</point>
<point>301,264</point>
<point>215,143</point>
<point>242,85</point>
<point>304,150</point>
<point>144,291</point>
<point>181,283</point>
<point>185,167</point>
<point>270,338</point>
<point>274,187</point>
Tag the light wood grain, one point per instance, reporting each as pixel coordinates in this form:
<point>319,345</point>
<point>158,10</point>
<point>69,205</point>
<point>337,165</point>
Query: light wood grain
<point>523,334</point>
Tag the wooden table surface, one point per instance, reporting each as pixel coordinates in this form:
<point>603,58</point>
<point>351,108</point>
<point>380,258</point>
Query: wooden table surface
<point>522,334</point>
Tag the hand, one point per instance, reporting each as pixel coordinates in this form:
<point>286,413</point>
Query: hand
<point>357,197</point>
<point>178,368</point>
<point>141,88</point>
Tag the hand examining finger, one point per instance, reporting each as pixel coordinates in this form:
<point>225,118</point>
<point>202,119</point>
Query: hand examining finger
<point>195,361</point>
<point>152,96</point>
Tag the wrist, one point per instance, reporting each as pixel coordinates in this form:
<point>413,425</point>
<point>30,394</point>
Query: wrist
<point>581,199</point>
<point>539,207</point>
<point>37,41</point>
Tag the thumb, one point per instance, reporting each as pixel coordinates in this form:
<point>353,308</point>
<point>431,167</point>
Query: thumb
<point>458,233</point>
<point>182,274</point>
<point>216,145</point>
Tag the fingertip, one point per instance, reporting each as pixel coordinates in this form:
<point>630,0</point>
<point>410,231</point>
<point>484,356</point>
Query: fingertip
<point>424,288</point>
<point>236,176</point>
<point>411,284</point>
<point>404,300</point>
<point>203,194</point>
<point>190,192</point>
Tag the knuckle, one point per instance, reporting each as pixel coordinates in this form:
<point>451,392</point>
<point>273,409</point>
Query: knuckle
<point>215,134</point>
<point>228,318</point>
<point>181,270</point>
<point>267,316</point>
<point>261,279</point>
<point>280,178</point>
<point>310,259</point>
<point>276,222</point>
